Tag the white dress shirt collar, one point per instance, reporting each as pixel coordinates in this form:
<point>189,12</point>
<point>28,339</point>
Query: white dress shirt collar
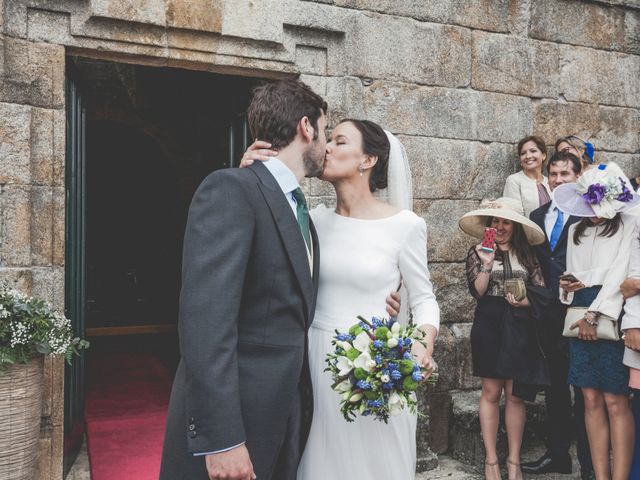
<point>283,175</point>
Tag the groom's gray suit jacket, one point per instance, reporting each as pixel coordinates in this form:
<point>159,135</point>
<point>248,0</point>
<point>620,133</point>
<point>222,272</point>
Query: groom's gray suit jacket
<point>246,303</point>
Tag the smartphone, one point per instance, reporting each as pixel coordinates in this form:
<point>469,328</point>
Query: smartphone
<point>488,239</point>
<point>569,277</point>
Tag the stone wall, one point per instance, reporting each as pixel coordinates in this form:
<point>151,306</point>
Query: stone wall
<point>459,81</point>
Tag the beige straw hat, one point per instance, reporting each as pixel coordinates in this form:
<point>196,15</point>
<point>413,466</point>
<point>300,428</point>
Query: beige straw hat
<point>474,222</point>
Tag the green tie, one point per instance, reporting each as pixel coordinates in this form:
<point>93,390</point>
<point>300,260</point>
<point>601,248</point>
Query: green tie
<point>303,216</point>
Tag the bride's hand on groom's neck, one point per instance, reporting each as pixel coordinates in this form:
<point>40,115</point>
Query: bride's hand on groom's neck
<point>258,150</point>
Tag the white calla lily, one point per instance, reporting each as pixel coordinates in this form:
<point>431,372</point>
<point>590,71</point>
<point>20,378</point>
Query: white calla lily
<point>364,361</point>
<point>344,366</point>
<point>396,404</point>
<point>362,342</point>
<point>355,397</point>
<point>395,328</point>
<point>344,386</point>
<point>392,342</point>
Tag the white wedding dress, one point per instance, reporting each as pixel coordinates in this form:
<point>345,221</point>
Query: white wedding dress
<point>361,262</point>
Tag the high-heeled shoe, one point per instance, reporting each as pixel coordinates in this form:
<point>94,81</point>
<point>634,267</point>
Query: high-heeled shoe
<point>492,470</point>
<point>518,473</point>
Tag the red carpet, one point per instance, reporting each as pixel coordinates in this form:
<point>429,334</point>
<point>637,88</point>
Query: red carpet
<point>126,410</point>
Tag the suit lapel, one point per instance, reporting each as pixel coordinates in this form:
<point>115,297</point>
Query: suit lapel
<point>289,231</point>
<point>316,266</point>
<point>537,216</point>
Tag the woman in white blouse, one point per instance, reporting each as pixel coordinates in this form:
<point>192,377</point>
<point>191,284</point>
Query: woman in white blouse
<point>529,185</point>
<point>598,257</point>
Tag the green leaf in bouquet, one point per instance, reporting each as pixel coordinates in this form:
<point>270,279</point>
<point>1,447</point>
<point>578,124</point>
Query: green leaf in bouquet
<point>406,366</point>
<point>356,330</point>
<point>371,395</point>
<point>382,333</point>
<point>360,373</point>
<point>409,384</point>
<point>352,354</point>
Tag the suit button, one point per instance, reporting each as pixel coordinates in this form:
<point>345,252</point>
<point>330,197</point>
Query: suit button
<point>193,434</point>
<point>192,427</point>
<point>192,420</point>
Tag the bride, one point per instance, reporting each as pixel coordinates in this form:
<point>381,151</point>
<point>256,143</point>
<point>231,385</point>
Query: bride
<point>368,248</point>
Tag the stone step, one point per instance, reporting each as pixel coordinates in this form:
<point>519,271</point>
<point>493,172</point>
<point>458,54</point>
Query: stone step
<point>465,439</point>
<point>450,469</point>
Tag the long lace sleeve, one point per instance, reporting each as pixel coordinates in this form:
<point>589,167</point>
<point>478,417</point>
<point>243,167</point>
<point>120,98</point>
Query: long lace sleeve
<point>473,270</point>
<point>536,277</point>
<point>415,276</point>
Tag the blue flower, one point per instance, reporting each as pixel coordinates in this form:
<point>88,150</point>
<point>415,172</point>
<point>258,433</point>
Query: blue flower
<point>376,321</point>
<point>387,386</point>
<point>416,376</point>
<point>366,413</point>
<point>344,337</point>
<point>407,356</point>
<point>378,360</point>
<point>374,403</point>
<point>396,375</point>
<point>378,343</point>
<point>407,342</point>
<point>364,326</point>
<point>364,385</point>
<point>393,366</point>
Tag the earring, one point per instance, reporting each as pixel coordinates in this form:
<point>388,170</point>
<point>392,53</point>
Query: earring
<point>361,169</point>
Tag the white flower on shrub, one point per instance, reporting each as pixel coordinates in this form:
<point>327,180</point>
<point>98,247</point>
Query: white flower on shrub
<point>19,333</point>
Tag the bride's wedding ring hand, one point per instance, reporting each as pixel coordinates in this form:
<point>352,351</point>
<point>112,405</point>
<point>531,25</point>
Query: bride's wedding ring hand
<point>430,367</point>
<point>258,150</point>
<point>422,358</point>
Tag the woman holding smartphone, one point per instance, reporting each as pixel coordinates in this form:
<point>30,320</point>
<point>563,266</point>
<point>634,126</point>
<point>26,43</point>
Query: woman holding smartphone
<point>598,255</point>
<point>498,357</point>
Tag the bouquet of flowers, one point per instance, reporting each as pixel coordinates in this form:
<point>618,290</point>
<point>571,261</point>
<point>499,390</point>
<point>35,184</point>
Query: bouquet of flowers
<point>373,369</point>
<point>29,326</point>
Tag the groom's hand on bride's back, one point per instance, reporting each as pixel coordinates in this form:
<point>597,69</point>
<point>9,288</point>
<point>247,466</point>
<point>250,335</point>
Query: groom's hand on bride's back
<point>393,304</point>
<point>233,464</point>
<point>258,150</point>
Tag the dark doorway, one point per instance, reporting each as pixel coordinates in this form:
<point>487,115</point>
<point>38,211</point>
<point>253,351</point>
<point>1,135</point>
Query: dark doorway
<point>148,137</point>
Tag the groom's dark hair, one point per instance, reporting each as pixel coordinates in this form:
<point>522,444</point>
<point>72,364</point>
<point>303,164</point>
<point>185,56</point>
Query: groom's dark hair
<point>277,107</point>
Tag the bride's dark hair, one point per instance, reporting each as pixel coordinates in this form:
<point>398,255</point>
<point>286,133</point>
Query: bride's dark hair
<point>375,143</point>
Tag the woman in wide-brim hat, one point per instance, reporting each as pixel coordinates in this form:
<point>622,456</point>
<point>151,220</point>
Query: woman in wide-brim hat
<point>598,255</point>
<point>492,350</point>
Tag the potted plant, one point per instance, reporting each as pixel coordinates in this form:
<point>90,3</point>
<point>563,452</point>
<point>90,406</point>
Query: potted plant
<point>29,330</point>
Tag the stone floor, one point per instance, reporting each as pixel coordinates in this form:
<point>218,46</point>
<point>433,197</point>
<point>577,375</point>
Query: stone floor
<point>448,469</point>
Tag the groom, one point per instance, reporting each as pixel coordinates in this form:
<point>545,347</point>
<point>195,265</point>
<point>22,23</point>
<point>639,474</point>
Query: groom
<point>241,401</point>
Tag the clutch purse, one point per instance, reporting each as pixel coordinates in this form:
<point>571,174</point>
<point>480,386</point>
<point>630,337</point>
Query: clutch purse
<point>607,327</point>
<point>517,287</point>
